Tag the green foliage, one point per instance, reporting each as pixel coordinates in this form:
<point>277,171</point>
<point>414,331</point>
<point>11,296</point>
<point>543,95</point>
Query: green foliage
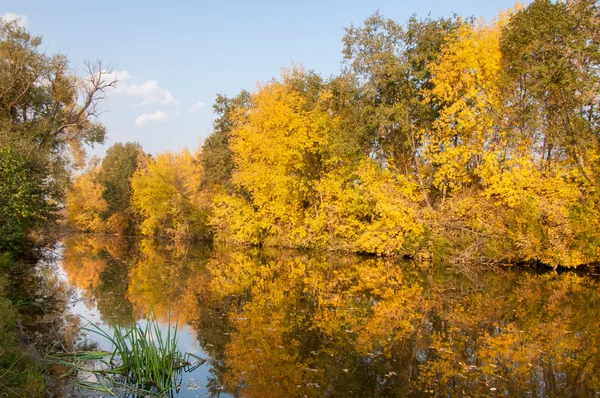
<point>118,166</point>
<point>551,55</point>
<point>43,105</point>
<point>391,63</point>
<point>216,157</point>
<point>25,198</point>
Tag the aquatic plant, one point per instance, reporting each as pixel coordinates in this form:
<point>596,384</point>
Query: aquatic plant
<point>147,355</point>
<point>145,359</point>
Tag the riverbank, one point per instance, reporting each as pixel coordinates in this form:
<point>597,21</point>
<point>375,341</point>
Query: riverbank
<point>20,375</point>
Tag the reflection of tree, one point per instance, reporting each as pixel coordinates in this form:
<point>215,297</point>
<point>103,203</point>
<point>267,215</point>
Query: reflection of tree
<point>313,324</point>
<point>522,333</point>
<point>172,280</point>
<point>167,280</point>
<point>96,264</point>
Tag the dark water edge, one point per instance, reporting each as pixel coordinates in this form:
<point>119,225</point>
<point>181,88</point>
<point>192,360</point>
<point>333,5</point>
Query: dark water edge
<point>284,323</point>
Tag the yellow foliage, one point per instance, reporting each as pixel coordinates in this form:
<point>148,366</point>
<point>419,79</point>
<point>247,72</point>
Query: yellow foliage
<point>236,220</point>
<point>368,209</point>
<point>453,147</point>
<point>522,207</point>
<point>528,214</point>
<point>84,203</point>
<point>292,192</point>
<point>277,144</point>
<point>166,193</point>
<point>466,84</point>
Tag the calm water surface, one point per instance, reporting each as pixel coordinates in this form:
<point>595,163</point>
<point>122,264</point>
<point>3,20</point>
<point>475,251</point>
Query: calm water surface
<point>275,323</point>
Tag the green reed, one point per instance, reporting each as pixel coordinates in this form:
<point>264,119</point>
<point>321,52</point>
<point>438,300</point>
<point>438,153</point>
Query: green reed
<point>144,355</point>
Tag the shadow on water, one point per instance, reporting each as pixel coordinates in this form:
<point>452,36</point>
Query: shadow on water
<point>281,323</point>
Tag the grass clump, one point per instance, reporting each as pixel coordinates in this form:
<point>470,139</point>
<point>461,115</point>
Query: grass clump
<point>145,358</point>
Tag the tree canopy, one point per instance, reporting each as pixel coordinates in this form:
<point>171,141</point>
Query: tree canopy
<point>450,137</point>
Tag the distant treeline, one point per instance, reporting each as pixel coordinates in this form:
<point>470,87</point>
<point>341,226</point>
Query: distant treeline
<point>447,136</point>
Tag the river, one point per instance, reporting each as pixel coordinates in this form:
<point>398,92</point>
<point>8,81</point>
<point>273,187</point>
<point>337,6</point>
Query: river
<point>281,323</point>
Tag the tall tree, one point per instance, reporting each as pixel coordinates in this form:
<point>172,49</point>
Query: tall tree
<point>390,62</point>
<point>47,116</point>
<point>551,53</point>
<point>277,143</point>
<point>465,89</point>
<point>24,198</point>
<point>216,156</point>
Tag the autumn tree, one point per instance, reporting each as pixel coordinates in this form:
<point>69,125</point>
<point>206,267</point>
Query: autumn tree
<point>85,206</point>
<point>166,193</point>
<point>465,87</point>
<point>278,143</point>
<point>294,188</point>
<point>515,181</point>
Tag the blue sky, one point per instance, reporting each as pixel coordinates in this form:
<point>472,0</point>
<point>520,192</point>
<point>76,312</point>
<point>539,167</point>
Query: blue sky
<point>174,57</point>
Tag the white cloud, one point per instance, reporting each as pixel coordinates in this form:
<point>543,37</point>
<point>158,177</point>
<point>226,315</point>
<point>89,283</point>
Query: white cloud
<point>158,116</point>
<point>20,18</point>
<point>197,106</point>
<point>149,91</point>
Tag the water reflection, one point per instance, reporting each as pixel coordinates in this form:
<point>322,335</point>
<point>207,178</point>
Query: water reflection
<point>287,324</point>
<point>98,265</point>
